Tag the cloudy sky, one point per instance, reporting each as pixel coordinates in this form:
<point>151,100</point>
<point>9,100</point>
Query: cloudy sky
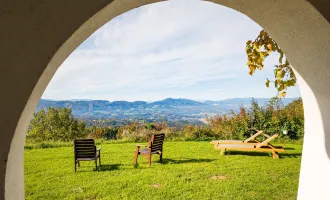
<point>179,49</point>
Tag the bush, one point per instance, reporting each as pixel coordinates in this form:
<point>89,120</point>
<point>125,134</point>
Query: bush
<point>55,124</point>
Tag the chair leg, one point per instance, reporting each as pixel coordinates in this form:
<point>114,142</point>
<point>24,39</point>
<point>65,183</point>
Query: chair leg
<point>149,159</point>
<point>161,157</point>
<point>75,165</point>
<point>100,160</point>
<point>275,155</point>
<point>222,152</point>
<point>96,164</point>
<point>136,157</point>
<point>78,164</point>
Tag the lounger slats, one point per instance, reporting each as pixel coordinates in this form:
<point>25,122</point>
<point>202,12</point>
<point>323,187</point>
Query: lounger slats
<point>264,143</point>
<point>253,136</point>
<point>263,146</point>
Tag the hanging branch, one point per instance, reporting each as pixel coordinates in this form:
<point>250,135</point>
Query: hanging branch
<point>258,50</point>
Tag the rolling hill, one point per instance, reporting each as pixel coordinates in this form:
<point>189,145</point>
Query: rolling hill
<point>171,109</point>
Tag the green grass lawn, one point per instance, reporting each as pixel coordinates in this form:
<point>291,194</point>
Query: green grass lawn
<point>190,170</point>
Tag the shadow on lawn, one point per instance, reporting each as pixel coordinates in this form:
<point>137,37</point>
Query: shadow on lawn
<point>282,155</point>
<point>172,161</point>
<point>290,155</point>
<point>289,148</point>
<point>285,148</point>
<point>100,168</point>
<point>109,167</point>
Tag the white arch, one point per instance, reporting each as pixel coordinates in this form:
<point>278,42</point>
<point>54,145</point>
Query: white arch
<point>302,32</point>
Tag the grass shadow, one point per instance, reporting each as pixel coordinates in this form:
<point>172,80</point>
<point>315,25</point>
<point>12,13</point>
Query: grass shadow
<point>181,161</point>
<point>247,153</point>
<point>289,148</point>
<point>290,155</point>
<point>281,155</point>
<point>109,167</point>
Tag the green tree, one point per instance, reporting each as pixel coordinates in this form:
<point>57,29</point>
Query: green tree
<point>55,124</point>
<point>258,50</point>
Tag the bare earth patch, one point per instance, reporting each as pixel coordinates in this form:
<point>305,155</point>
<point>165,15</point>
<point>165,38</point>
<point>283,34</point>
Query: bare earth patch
<point>156,185</point>
<point>219,177</point>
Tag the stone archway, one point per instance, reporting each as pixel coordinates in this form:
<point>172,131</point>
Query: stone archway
<point>39,35</point>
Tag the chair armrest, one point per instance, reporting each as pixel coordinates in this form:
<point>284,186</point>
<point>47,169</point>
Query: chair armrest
<point>99,149</point>
<point>138,147</point>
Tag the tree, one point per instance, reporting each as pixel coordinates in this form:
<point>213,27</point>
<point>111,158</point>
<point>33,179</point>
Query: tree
<point>258,50</point>
<point>55,124</point>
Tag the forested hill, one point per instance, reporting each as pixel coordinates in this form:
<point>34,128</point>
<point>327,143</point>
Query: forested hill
<point>169,108</point>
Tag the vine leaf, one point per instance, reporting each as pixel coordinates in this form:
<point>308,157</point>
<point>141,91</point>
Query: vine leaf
<point>258,50</point>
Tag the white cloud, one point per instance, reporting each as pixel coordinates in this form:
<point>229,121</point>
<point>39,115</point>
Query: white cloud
<point>185,48</point>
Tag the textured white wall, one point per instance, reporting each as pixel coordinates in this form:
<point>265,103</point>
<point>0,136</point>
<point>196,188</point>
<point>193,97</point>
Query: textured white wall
<point>37,36</point>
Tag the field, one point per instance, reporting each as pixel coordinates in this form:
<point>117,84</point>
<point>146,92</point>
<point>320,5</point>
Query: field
<point>190,170</point>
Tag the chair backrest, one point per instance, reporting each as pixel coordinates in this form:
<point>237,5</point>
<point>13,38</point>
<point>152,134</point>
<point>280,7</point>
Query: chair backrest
<point>265,143</point>
<point>84,148</point>
<point>156,142</point>
<point>253,137</point>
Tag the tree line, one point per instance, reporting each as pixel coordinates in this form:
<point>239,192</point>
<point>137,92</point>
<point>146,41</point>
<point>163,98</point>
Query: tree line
<point>59,124</point>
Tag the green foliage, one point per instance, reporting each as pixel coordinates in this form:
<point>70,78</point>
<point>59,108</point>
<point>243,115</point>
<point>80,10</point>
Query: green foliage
<point>55,124</point>
<point>103,132</point>
<point>187,172</point>
<point>274,117</point>
<point>258,50</point>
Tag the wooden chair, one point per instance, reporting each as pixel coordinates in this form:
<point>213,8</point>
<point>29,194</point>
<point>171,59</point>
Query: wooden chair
<point>264,146</point>
<point>155,147</point>
<point>85,150</point>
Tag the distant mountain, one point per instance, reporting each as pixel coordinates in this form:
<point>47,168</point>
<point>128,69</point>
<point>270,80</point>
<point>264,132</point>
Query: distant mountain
<point>170,109</point>
<point>247,101</point>
<point>175,102</point>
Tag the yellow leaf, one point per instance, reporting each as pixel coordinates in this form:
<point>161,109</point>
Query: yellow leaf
<point>281,94</point>
<point>267,83</point>
<point>269,46</point>
<point>252,69</point>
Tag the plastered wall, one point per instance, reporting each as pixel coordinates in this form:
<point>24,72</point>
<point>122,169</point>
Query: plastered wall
<point>36,36</point>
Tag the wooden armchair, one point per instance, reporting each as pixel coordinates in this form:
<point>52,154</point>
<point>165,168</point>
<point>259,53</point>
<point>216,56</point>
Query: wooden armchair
<point>85,150</point>
<point>155,147</point>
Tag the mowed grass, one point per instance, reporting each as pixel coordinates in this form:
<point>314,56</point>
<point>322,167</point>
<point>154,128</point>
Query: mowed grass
<point>190,170</point>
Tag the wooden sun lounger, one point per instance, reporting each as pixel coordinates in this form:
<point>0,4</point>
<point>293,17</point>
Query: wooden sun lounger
<point>251,139</point>
<point>257,147</point>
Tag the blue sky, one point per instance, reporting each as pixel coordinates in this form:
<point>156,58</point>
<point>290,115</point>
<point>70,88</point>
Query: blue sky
<point>180,49</point>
